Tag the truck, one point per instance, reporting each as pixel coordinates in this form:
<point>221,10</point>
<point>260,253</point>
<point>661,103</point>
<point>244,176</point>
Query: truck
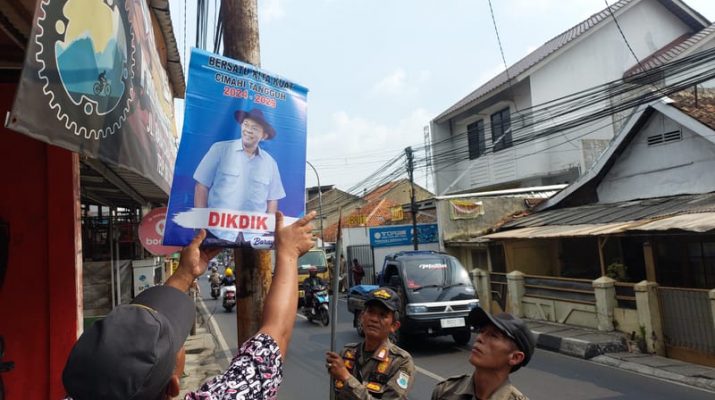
<point>313,258</point>
<point>436,295</point>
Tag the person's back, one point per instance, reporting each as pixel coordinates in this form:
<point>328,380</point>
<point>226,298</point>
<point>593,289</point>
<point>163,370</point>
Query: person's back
<point>215,278</point>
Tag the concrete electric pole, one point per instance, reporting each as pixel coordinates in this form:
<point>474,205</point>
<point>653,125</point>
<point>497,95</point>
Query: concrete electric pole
<point>253,267</point>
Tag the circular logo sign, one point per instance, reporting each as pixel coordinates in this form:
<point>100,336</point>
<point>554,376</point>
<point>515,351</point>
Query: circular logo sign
<point>151,233</point>
<point>86,52</point>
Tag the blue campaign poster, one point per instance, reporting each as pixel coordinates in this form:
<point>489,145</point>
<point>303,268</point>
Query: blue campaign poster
<point>241,156</point>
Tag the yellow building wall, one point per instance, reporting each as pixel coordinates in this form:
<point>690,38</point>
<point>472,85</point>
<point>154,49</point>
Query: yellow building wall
<point>532,257</point>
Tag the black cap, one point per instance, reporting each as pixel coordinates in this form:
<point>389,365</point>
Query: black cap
<point>511,326</point>
<point>385,296</point>
<point>131,353</point>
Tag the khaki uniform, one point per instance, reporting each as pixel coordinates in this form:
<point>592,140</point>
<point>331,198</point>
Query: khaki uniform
<point>386,374</point>
<point>461,387</point>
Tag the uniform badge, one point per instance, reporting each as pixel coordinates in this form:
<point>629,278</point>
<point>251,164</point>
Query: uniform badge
<point>373,387</point>
<point>348,364</point>
<point>381,354</point>
<point>339,384</point>
<point>403,380</point>
<point>349,354</point>
<point>382,366</point>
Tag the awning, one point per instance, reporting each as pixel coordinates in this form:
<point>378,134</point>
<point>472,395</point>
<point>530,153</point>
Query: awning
<point>699,222</point>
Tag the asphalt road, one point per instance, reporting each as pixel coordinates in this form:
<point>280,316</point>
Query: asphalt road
<point>549,375</point>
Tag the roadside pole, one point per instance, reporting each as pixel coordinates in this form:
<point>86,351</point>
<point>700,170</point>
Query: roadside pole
<point>253,267</point>
<point>336,292</point>
<point>413,204</point>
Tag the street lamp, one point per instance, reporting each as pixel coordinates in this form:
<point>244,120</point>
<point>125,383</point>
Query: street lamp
<point>320,205</point>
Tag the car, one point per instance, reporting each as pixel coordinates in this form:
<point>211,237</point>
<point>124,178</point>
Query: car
<point>436,294</point>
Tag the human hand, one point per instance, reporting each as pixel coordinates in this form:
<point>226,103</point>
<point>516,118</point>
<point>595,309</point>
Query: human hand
<point>336,366</point>
<point>295,239</point>
<point>193,263</point>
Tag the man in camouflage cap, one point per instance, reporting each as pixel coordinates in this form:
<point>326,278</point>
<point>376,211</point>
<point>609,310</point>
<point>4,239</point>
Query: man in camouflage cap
<point>503,345</point>
<point>374,368</point>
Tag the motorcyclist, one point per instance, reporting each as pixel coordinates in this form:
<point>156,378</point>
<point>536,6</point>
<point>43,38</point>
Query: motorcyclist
<point>309,284</point>
<point>214,278</point>
<point>228,280</point>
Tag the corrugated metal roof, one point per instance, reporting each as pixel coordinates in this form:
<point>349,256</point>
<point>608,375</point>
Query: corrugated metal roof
<point>697,222</point>
<point>646,209</point>
<point>554,231</point>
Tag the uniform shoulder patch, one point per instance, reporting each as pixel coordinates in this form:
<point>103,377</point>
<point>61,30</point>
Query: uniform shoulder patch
<point>403,380</point>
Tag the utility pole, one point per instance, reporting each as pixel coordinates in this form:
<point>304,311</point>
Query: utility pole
<point>253,267</point>
<point>413,203</point>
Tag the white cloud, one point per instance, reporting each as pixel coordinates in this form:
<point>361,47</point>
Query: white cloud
<point>394,83</point>
<point>400,83</point>
<point>354,146</point>
<point>271,10</point>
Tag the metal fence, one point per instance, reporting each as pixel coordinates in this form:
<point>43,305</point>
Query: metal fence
<point>564,289</point>
<point>626,295</point>
<point>687,319</point>
<point>498,288</point>
<point>363,253</point>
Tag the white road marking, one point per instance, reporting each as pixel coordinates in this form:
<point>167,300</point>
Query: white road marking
<point>428,373</point>
<point>216,331</point>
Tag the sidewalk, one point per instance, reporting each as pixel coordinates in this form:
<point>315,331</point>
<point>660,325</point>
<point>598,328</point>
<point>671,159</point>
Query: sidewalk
<point>611,348</point>
<point>202,356</point>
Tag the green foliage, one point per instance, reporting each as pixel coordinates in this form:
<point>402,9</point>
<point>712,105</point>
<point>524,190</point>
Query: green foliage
<point>617,270</point>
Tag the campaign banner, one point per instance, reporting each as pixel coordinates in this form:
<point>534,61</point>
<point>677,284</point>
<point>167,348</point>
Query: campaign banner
<point>93,83</point>
<point>241,157</point>
<point>401,235</point>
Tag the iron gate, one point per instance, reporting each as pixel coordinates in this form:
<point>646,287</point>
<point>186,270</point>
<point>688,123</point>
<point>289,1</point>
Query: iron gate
<point>687,319</point>
<point>363,253</point>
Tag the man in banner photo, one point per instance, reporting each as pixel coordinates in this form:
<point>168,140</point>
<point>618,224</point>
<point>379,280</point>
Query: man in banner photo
<point>240,164</point>
<point>241,157</point>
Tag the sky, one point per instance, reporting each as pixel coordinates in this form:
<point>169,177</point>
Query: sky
<point>379,70</point>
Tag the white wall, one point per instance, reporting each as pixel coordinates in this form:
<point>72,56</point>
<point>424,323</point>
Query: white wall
<point>644,171</point>
<point>600,56</point>
<point>354,236</point>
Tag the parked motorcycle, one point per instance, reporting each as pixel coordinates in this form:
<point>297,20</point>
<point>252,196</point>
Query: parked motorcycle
<point>319,311</point>
<point>229,298</point>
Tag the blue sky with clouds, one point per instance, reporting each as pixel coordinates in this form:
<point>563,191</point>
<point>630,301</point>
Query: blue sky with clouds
<point>379,70</point>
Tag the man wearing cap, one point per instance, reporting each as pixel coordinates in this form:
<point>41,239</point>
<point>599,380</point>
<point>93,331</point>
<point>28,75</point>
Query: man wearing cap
<point>238,174</point>
<point>503,345</point>
<point>136,352</point>
<point>374,368</point>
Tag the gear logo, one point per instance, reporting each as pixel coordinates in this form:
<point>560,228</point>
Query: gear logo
<point>86,57</point>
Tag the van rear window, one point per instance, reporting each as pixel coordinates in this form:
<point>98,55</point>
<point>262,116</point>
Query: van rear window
<point>421,273</point>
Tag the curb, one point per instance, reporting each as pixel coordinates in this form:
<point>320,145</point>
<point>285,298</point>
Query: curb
<point>576,347</point>
<point>702,383</point>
